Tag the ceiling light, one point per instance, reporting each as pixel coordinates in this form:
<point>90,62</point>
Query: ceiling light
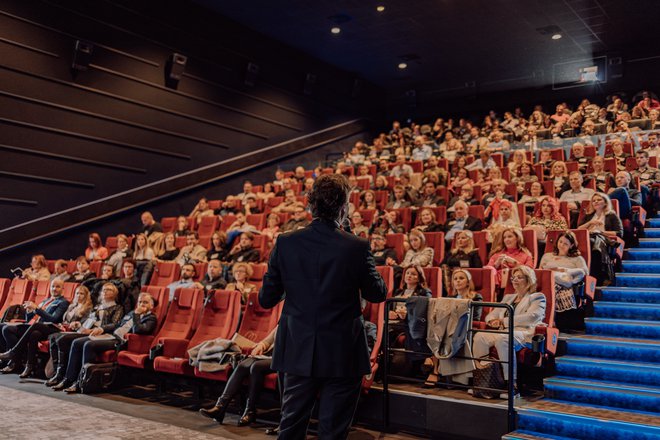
<point>556,36</point>
<point>335,30</point>
<point>380,8</point>
<point>402,66</point>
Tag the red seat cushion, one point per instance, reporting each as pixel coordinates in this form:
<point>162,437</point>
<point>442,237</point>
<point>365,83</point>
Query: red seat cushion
<point>218,375</point>
<point>174,366</point>
<point>134,360</point>
<point>108,356</point>
<point>270,381</point>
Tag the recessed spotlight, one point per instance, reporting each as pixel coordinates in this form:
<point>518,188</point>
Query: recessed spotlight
<point>380,8</point>
<point>556,36</point>
<point>335,30</point>
<point>402,66</point>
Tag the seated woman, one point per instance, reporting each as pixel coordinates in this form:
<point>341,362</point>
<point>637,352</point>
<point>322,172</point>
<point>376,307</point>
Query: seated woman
<point>413,284</point>
<point>462,287</point>
<point>494,175</point>
<point>569,269</point>
<point>27,345</point>
<point>273,224</point>
<point>545,159</point>
<point>108,313</point>
<point>82,272</point>
<point>140,321</point>
<point>181,227</point>
<point>427,221</point>
<point>603,179</point>
<point>529,308</point>
<point>547,218</point>
<point>525,175</point>
<point>604,226</point>
<point>123,251</point>
<point>242,273</point>
<point>96,250</point>
<point>461,178</point>
<point>356,225</point>
<point>530,200</point>
<point>504,215</point>
<point>38,270</point>
<point>463,253</point>
<point>144,256</point>
<point>254,368</point>
<point>518,158</point>
<point>267,192</point>
<point>170,251</point>
<point>368,200</point>
<point>509,252</point>
<point>387,223</point>
<point>419,253</point>
<point>559,177</point>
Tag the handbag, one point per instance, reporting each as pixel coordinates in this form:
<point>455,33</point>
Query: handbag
<point>15,311</point>
<point>488,375</point>
<point>95,378</point>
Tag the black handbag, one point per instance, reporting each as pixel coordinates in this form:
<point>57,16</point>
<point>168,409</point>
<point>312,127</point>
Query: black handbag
<point>488,375</point>
<point>15,311</point>
<point>97,378</point>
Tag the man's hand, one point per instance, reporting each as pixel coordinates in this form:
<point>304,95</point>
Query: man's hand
<point>97,331</point>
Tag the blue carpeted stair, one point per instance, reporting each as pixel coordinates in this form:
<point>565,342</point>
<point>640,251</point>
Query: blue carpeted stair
<point>608,383</point>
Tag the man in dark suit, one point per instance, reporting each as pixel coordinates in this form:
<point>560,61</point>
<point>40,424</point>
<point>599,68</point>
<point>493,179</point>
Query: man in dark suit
<point>321,345</point>
<point>461,221</point>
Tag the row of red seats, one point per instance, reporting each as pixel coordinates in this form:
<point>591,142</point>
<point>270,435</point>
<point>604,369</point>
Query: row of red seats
<point>18,290</point>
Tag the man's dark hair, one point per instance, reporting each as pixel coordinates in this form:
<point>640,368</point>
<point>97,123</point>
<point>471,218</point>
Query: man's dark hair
<point>643,153</point>
<point>193,233</point>
<point>329,194</point>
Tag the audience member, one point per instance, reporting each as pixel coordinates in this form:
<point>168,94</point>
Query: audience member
<point>242,272</point>
<point>419,253</point>
<point>186,280</point>
<point>38,270</point>
<point>192,252</point>
<point>508,252</point>
<point>95,250</point>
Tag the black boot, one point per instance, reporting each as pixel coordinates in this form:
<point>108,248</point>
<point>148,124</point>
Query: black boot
<point>249,415</point>
<point>10,368</point>
<point>27,371</point>
<point>62,385</point>
<point>57,378</point>
<point>7,355</point>
<point>217,412</point>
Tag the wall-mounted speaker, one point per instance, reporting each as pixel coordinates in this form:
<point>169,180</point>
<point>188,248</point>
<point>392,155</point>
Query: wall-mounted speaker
<point>174,68</point>
<point>310,84</point>
<point>82,55</point>
<point>615,67</point>
<point>251,74</point>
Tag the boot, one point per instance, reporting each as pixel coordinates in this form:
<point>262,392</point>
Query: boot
<point>73,388</point>
<point>57,378</point>
<point>218,411</point>
<point>7,355</point>
<point>10,368</point>
<point>249,415</point>
<point>273,431</point>
<point>27,371</point>
<point>62,385</point>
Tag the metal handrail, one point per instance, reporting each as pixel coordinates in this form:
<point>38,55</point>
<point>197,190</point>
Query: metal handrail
<point>511,420</point>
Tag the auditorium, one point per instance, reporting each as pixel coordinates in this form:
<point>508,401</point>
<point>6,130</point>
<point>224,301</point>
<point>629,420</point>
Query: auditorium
<point>354,219</point>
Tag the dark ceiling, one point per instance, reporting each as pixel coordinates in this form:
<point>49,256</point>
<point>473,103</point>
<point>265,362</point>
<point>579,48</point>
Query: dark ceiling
<point>447,44</point>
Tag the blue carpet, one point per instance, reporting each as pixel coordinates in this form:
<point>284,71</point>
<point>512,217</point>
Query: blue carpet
<point>635,329</point>
<point>641,254</point>
<point>642,373</point>
<point>526,435</point>
<point>653,223</point>
<point>649,312</point>
<point>649,243</point>
<point>641,266</point>
<point>617,350</point>
<point>637,280</point>
<point>652,232</point>
<point>630,295</point>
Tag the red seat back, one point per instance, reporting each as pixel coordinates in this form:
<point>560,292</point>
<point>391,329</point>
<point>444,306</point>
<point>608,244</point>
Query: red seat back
<point>200,270</point>
<point>395,241</point>
<point>388,276</point>
<point>69,291</point>
<point>208,225</point>
<point>168,224</point>
<point>5,283</point>
<point>220,317</point>
<point>477,211</point>
<point>531,243</point>
<point>258,271</point>
<point>95,267</point>
<point>19,292</point>
<point>182,315</point>
<point>40,291</point>
<point>257,220</point>
<point>161,298</point>
<point>436,240</point>
<point>166,272</point>
<point>433,277</point>
<point>484,283</point>
<point>404,217</point>
<point>258,322</point>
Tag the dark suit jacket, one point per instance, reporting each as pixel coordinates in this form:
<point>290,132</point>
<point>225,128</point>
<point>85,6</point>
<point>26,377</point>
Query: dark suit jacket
<point>471,224</point>
<point>323,271</point>
<point>53,313</point>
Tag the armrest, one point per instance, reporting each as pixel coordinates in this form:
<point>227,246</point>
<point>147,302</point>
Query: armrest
<point>642,213</point>
<point>622,245</point>
<point>551,337</point>
<point>590,287</point>
<point>139,343</point>
<point>174,347</point>
<point>481,325</point>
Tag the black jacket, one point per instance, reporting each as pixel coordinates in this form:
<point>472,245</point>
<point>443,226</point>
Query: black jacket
<point>323,271</point>
<point>471,224</point>
<point>145,325</point>
<point>454,260</point>
<point>380,257</point>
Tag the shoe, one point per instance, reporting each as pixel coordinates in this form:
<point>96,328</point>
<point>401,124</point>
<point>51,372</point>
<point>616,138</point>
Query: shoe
<point>27,371</point>
<point>72,389</point>
<point>516,395</point>
<point>10,368</point>
<point>273,431</point>
<point>431,381</point>
<point>57,378</point>
<point>7,355</point>
<point>62,385</point>
<point>217,412</point>
<point>248,417</point>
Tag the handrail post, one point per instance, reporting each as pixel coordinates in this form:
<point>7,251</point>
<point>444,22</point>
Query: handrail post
<point>511,415</point>
<point>386,361</point>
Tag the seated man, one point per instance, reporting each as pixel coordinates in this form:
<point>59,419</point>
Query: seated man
<point>430,197</point>
<point>130,286</point>
<point>49,310</point>
<point>496,191</point>
<point>647,177</point>
<point>466,195</point>
<point>627,196</point>
<point>82,272</point>
<point>201,209</point>
<point>299,174</point>
<point>290,203</point>
<point>383,256</point>
<point>243,251</point>
<point>401,167</point>
<point>213,279</point>
<point>461,221</point>
<point>298,221</point>
<point>575,196</point>
<point>421,151</point>
<point>95,284</point>
<point>247,191</point>
<point>192,252</point>
<point>84,350</point>
<point>149,225</point>
<point>186,279</point>
<point>287,184</point>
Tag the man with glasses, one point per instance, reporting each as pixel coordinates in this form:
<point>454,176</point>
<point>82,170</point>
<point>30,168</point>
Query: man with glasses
<point>383,256</point>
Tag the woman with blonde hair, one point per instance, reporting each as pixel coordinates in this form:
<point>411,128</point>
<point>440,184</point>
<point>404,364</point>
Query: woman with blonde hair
<point>559,177</point>
<point>38,270</point>
<point>463,252</point>
<point>509,252</point>
<point>242,272</point>
<point>368,200</point>
<point>419,253</point>
<point>462,287</point>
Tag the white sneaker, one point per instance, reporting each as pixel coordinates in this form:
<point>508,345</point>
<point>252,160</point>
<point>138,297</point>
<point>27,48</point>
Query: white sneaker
<point>505,396</point>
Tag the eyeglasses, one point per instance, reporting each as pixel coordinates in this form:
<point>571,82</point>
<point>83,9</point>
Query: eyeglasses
<point>518,278</point>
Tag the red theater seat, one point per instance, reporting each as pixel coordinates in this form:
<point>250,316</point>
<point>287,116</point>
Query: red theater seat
<point>166,272</point>
<point>208,225</point>
<point>180,323</point>
<point>219,320</point>
<point>433,277</point>
<point>256,324</point>
<point>388,276</point>
<point>5,283</point>
<point>436,240</point>
<point>95,266</point>
<point>168,224</point>
<point>374,313</point>
<point>395,241</point>
<point>19,292</point>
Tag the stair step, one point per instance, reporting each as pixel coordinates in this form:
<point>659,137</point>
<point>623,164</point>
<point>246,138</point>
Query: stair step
<point>642,254</point>
<point>628,328</point>
<point>641,373</point>
<point>614,348</point>
<point>652,232</point>
<point>588,422</point>
<point>630,294</point>
<point>604,393</point>
<point>529,435</point>
<point>649,243</point>
<point>653,222</point>
<point>643,311</point>
<point>641,266</point>
<point>637,280</point>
